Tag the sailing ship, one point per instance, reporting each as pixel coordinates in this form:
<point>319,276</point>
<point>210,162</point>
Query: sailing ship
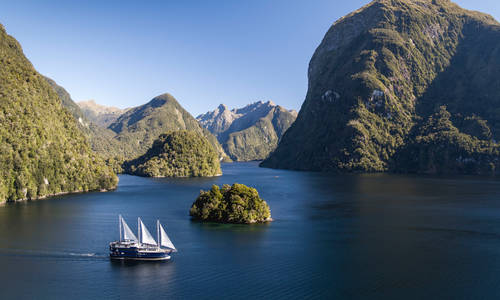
<point>129,247</point>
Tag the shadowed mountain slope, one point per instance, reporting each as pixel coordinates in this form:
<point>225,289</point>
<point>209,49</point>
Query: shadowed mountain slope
<point>383,82</point>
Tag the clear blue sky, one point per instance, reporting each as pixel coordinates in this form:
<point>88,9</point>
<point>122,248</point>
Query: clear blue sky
<point>124,53</point>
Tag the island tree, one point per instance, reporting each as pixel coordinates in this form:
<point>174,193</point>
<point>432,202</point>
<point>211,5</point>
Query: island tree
<point>231,204</point>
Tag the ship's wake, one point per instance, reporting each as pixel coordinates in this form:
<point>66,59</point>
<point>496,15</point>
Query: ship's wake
<point>52,254</point>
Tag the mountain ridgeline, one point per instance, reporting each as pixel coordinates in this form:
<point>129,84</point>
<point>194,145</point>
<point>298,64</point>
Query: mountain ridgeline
<point>100,114</point>
<point>403,86</point>
<point>251,132</point>
<point>133,133</point>
<point>42,150</point>
<point>138,127</point>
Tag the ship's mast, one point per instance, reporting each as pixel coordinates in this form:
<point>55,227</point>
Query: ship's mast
<point>139,229</point>
<point>158,232</point>
<point>120,226</point>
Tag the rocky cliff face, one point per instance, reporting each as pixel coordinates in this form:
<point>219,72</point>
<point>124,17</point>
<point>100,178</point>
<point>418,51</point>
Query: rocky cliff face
<point>137,128</point>
<point>251,132</point>
<point>100,114</point>
<point>387,71</point>
<point>219,120</point>
<point>42,151</point>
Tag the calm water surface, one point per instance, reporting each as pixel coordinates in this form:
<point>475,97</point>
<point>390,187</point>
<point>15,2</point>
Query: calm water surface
<point>350,236</point>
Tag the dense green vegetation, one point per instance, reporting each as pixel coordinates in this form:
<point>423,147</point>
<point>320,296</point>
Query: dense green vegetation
<point>376,81</point>
<point>440,147</point>
<point>180,153</point>
<point>102,140</point>
<point>42,152</point>
<point>231,204</point>
<point>251,132</point>
<point>138,127</point>
<point>66,100</point>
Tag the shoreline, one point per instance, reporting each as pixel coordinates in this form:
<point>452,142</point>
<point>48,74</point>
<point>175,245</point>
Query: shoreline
<point>55,195</point>
<point>216,175</point>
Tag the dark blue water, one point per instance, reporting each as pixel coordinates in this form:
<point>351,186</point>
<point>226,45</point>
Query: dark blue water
<point>350,237</point>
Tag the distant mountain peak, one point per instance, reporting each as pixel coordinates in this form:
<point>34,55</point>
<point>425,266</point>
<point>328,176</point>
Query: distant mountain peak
<point>99,114</point>
<point>165,97</point>
<point>258,126</point>
<point>141,125</point>
<point>222,107</point>
<point>90,102</point>
<point>99,108</point>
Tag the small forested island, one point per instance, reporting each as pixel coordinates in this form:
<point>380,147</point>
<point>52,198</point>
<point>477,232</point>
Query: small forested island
<point>179,153</point>
<point>231,204</point>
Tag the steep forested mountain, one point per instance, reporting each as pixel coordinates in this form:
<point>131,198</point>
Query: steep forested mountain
<point>66,100</point>
<point>100,114</point>
<point>137,128</point>
<point>401,86</point>
<point>179,153</point>
<point>251,132</point>
<point>101,139</point>
<point>42,151</point>
<point>133,132</point>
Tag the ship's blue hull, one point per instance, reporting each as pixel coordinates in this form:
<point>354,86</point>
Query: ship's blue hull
<point>134,253</point>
